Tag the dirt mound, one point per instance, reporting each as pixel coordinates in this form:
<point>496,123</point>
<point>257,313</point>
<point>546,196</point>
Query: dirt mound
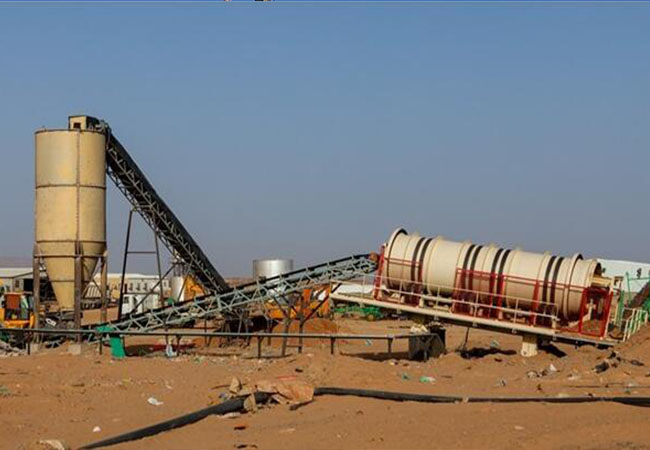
<point>638,346</point>
<point>8,350</point>
<point>316,325</point>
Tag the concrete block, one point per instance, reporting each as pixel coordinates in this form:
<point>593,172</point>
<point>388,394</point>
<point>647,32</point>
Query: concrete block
<point>529,345</point>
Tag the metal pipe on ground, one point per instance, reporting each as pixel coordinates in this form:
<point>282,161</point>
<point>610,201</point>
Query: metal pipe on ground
<point>237,404</point>
<point>408,397</point>
<point>233,405</point>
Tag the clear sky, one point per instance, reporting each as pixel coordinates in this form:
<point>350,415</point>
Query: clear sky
<point>311,131</point>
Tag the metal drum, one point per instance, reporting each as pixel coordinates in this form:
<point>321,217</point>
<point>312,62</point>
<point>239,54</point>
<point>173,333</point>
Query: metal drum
<point>268,268</point>
<point>523,280</point>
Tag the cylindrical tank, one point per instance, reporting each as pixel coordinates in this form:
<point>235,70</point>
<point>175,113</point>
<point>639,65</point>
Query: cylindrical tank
<point>268,268</point>
<point>70,210</point>
<point>523,279</point>
<point>177,286</point>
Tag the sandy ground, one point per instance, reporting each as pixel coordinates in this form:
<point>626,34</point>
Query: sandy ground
<point>52,394</point>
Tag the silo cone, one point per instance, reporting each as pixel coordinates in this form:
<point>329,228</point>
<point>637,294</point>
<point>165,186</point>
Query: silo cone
<point>70,206</point>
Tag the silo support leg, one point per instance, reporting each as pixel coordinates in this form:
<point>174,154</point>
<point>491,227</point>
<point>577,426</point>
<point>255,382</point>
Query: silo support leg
<point>102,287</point>
<point>36,274</point>
<point>529,345</point>
<point>78,274</point>
<point>33,345</point>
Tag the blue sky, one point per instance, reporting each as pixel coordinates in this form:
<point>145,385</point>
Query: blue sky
<point>311,131</point>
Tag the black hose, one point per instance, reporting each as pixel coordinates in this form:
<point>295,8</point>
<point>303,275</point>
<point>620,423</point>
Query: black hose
<point>236,404</point>
<point>406,397</point>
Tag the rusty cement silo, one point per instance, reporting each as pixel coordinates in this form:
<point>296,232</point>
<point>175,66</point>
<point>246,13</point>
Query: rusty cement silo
<point>524,280</point>
<point>70,207</point>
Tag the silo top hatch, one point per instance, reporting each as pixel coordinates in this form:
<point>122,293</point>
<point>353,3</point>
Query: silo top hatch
<point>82,122</point>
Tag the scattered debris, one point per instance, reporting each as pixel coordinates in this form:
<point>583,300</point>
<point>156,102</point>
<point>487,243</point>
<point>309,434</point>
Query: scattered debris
<point>603,366</point>
<point>494,344</point>
<point>250,404</point>
<point>7,350</point>
<point>519,428</point>
<point>405,376</point>
<point>230,415</point>
<point>154,401</point>
<point>427,379</point>
<point>235,386</point>
<point>418,328</point>
<point>240,427</point>
<point>287,430</point>
<point>612,360</point>
<point>169,351</point>
<point>53,444</point>
<point>96,429</point>
<point>501,382</point>
<point>4,391</point>
<point>542,373</point>
<point>287,391</point>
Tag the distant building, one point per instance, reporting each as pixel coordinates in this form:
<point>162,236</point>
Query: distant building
<point>19,279</point>
<point>135,283</point>
<point>635,274</point>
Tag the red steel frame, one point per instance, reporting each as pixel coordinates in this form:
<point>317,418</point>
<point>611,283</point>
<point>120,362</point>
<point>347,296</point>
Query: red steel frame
<point>495,301</point>
<point>594,293</point>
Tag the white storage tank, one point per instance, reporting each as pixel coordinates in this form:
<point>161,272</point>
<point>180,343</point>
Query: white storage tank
<point>268,268</point>
<point>177,287</point>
